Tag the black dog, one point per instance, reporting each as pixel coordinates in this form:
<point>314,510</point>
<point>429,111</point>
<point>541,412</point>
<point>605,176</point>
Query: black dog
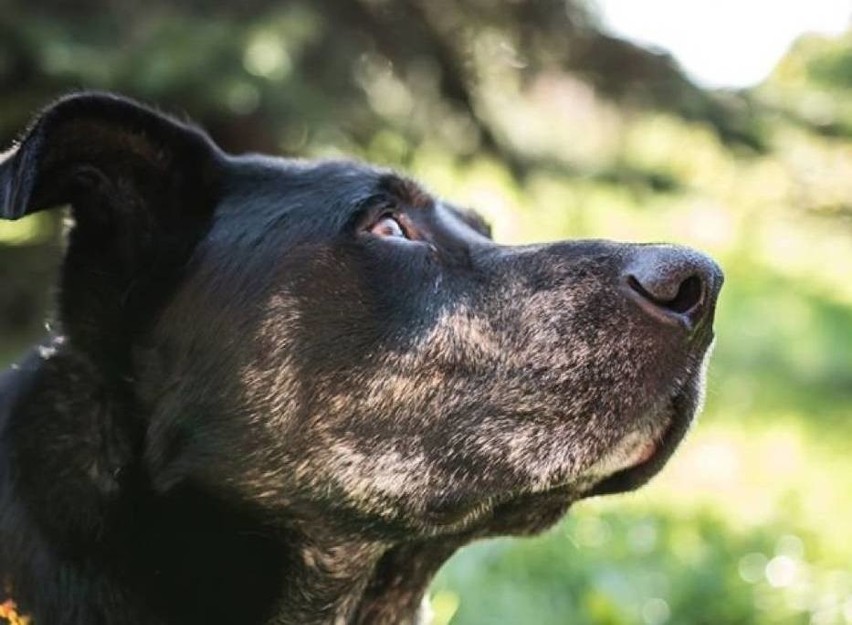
<point>285,392</point>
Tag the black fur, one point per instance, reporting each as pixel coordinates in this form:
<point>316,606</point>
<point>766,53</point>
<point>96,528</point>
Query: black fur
<point>256,407</point>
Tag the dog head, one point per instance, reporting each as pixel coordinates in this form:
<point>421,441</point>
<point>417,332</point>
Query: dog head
<point>326,340</point>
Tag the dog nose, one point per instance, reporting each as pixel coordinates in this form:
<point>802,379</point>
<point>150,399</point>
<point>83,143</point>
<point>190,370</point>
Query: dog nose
<point>676,285</point>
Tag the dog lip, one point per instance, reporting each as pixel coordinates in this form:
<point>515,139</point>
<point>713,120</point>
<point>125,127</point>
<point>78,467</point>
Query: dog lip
<point>632,450</point>
<point>645,453</point>
<point>651,457</point>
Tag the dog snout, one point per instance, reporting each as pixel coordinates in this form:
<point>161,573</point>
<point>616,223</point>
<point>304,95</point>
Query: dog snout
<point>675,285</point>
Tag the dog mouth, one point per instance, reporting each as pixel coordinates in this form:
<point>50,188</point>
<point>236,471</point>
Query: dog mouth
<point>634,461</point>
<point>629,464</point>
<point>640,457</point>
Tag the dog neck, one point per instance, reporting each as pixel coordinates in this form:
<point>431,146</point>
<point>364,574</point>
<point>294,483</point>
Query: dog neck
<point>152,555</point>
<point>80,524</point>
<point>396,592</point>
<point>359,585</point>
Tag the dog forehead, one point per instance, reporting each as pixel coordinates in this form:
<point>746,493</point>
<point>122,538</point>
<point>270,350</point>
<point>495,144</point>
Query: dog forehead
<point>276,216</point>
<point>311,190</point>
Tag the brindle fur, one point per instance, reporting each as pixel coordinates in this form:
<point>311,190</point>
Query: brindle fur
<point>253,410</point>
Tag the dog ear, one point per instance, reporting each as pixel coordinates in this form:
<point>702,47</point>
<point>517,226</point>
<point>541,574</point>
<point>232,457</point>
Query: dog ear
<point>142,188</point>
<point>95,148</point>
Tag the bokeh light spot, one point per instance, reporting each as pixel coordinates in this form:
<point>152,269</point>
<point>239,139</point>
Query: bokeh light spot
<point>655,611</point>
<point>781,571</point>
<point>266,57</point>
<point>752,567</point>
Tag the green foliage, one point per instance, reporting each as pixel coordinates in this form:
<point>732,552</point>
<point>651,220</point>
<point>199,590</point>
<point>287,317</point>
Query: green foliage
<point>813,82</point>
<point>634,567</point>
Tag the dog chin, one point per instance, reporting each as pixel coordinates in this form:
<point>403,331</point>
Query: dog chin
<point>640,456</point>
<point>635,459</point>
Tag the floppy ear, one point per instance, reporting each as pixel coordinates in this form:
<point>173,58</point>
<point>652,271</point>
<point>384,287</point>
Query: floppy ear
<point>142,188</point>
<point>86,143</point>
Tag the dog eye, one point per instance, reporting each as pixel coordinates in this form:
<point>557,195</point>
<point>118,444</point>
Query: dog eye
<point>387,226</point>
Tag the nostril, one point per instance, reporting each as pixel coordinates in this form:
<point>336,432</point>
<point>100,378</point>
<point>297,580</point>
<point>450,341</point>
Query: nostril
<point>683,299</point>
<point>689,294</point>
<point>673,284</point>
<point>688,297</point>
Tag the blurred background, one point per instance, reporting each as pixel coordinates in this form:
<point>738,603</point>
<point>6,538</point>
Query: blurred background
<point>722,125</point>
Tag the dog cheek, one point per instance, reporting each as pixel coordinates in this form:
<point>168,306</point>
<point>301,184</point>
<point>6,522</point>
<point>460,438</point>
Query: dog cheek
<point>378,479</point>
<point>567,360</point>
<point>269,379</point>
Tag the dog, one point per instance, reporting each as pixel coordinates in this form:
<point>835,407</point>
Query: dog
<point>285,392</point>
